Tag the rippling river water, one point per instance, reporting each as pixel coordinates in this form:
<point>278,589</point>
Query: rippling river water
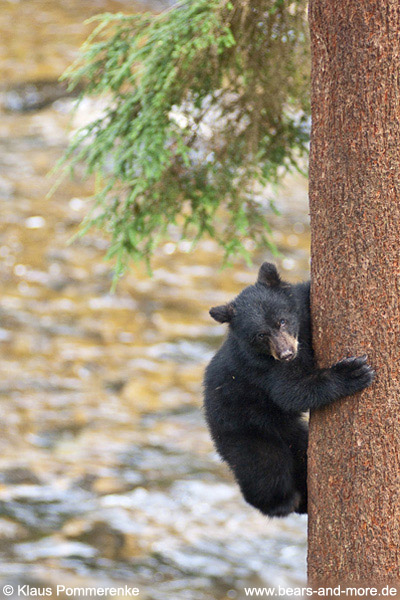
<point>107,473</point>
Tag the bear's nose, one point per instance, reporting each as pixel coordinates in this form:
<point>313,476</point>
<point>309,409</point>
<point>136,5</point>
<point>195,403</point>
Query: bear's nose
<point>287,355</point>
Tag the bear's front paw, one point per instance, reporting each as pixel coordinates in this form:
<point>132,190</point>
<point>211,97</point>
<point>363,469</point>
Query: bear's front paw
<point>354,373</point>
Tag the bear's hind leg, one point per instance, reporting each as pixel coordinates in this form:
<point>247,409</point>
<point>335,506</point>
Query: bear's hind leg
<point>264,470</point>
<point>298,441</point>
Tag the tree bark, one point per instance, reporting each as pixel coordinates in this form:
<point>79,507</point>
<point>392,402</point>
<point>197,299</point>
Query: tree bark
<point>354,449</point>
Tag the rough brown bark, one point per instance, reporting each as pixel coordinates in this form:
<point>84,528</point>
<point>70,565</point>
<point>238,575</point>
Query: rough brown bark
<point>354,450</point>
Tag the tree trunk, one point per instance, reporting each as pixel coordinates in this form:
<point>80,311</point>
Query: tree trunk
<point>354,450</point>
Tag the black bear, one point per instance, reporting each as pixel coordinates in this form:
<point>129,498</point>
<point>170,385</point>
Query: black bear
<point>259,384</point>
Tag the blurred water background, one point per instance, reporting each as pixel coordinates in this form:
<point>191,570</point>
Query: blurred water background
<point>107,473</point>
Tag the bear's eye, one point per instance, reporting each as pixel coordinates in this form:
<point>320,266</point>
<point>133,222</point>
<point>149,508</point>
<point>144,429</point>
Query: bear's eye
<point>261,336</point>
<point>282,323</point>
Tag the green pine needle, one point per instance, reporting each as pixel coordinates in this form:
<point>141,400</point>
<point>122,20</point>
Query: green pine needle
<point>206,101</point>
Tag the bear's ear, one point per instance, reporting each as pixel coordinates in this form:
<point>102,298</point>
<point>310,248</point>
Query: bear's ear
<point>268,275</point>
<point>222,314</point>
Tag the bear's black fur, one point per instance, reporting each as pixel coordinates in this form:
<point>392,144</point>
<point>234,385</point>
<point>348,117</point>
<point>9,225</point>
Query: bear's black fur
<point>261,381</point>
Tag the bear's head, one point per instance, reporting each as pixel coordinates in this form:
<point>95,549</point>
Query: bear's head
<point>264,316</point>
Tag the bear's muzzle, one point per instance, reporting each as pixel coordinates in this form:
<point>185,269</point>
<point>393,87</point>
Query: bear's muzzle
<point>283,346</point>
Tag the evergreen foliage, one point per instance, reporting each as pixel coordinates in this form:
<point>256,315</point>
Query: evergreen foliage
<point>207,103</point>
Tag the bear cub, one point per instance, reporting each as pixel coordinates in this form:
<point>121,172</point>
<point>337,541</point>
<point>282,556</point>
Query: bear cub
<point>261,381</point>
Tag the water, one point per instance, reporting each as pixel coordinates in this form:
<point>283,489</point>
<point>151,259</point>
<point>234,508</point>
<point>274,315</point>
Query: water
<point>107,473</point>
